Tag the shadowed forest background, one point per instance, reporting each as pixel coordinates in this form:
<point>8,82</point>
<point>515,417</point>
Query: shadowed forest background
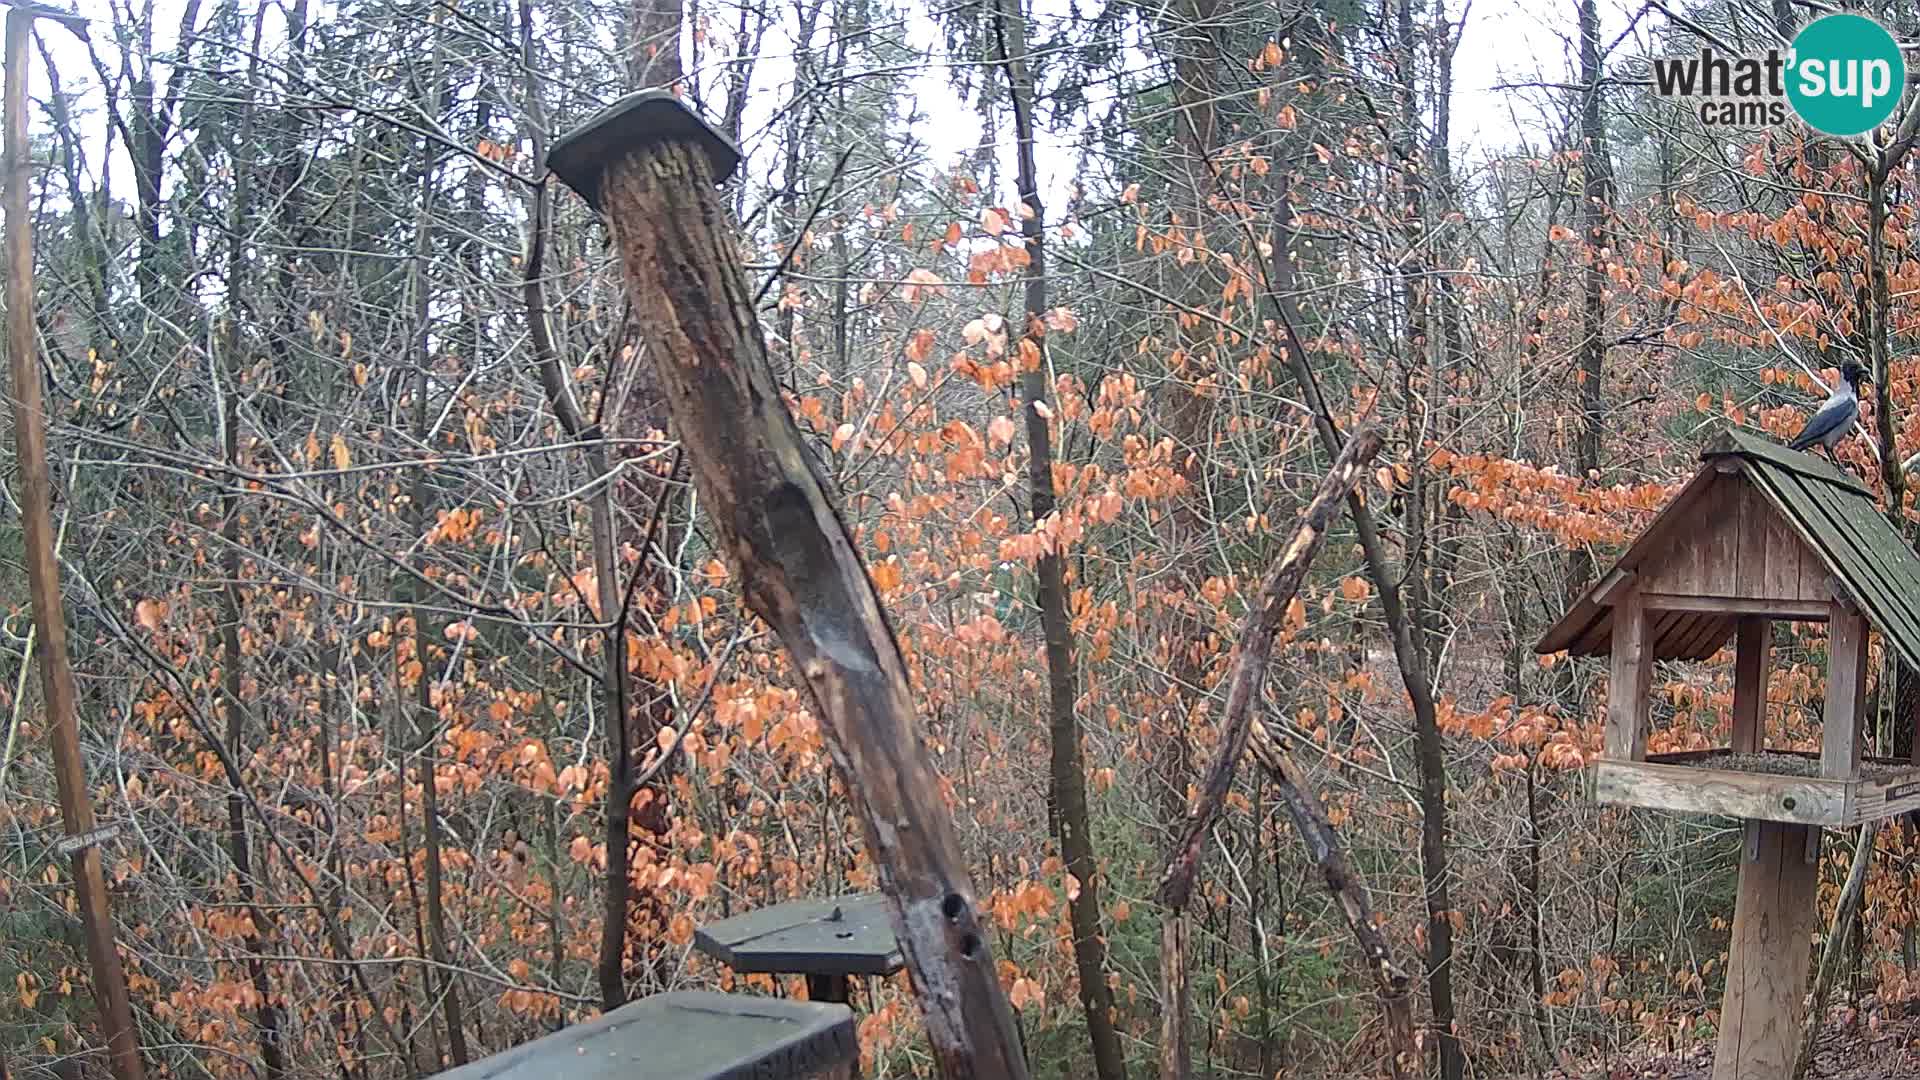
<point>366,497</point>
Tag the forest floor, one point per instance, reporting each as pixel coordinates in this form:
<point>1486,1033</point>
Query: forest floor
<point>1888,1052</point>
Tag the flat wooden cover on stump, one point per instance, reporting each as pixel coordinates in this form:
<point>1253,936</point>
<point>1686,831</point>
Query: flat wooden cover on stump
<point>688,1035</point>
<point>848,935</point>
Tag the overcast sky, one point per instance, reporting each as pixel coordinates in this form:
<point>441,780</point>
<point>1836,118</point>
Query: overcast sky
<point>1505,42</point>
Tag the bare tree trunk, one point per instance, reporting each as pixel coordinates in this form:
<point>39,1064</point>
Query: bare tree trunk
<point>233,662</point>
<point>1845,914</point>
<point>1067,789</point>
<point>426,727</point>
<point>653,43</point>
<point>59,693</point>
<point>796,564</point>
<point>1596,202</point>
<point>1251,654</point>
<point>1430,752</point>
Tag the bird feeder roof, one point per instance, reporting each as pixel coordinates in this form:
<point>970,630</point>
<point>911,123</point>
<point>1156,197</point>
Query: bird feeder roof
<point>848,935</point>
<point>1755,516</point>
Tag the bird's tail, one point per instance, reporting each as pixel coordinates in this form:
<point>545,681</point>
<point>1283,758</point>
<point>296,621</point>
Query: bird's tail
<point>1800,443</point>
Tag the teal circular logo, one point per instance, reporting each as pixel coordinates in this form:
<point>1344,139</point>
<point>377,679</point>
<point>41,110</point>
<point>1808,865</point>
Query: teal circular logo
<point>1845,74</point>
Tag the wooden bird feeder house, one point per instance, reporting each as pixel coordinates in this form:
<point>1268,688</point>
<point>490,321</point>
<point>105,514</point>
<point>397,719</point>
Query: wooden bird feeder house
<point>1760,533</point>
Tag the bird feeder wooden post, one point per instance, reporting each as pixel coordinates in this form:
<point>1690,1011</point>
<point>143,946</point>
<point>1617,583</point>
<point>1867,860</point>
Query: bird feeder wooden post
<point>1759,534</point>
<point>651,166</point>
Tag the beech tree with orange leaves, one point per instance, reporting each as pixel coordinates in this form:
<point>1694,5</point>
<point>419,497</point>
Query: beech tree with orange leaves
<point>416,682</point>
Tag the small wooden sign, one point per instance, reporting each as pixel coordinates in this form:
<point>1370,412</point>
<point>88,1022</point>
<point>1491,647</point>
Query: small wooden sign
<point>91,838</point>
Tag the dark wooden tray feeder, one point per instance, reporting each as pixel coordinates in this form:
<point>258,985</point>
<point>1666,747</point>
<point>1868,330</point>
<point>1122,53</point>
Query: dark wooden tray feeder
<point>828,941</point>
<point>1759,533</point>
<point>687,1035</point>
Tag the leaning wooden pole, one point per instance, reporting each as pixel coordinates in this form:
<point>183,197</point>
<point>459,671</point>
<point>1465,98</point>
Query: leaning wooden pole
<point>43,572</point>
<point>651,166</point>
<point>1239,723</point>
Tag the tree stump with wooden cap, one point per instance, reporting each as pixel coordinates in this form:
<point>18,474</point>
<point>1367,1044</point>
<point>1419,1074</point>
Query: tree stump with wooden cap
<point>650,166</point>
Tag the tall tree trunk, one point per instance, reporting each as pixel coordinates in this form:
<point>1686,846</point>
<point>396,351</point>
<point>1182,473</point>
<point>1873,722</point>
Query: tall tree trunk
<point>1430,747</point>
<point>59,693</point>
<point>1067,789</point>
<point>653,43</point>
<point>233,661</point>
<point>1596,201</point>
<point>426,727</point>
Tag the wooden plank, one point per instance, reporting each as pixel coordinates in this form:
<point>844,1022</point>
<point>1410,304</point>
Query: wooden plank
<point>1667,630</point>
<point>1888,567</point>
<point>1658,536</point>
<point>1707,639</point>
<point>1783,548</point>
<point>1720,547</point>
<point>1840,724</point>
<point>1797,610</point>
<point>1773,915</point>
<point>1752,511</point>
<point>1693,789</point>
<point>1596,639</point>
<point>686,1035</point>
<point>1751,664</point>
<point>1611,585</point>
<point>1890,798</point>
<point>1632,664</point>
<point>848,935</point>
<point>1773,454</point>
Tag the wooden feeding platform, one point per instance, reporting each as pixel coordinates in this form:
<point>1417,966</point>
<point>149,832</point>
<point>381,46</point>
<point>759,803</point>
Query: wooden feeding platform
<point>687,1035</point>
<point>1760,533</point>
<point>1772,785</point>
<point>828,941</point>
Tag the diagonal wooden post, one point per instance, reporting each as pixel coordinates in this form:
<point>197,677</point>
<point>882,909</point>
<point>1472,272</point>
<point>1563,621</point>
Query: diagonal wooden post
<point>43,569</point>
<point>650,166</point>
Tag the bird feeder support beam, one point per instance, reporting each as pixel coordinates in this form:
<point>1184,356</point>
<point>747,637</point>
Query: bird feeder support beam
<point>1632,680</point>
<point>1751,659</point>
<point>1840,725</point>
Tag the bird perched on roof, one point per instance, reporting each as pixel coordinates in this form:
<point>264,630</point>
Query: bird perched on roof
<point>1835,419</point>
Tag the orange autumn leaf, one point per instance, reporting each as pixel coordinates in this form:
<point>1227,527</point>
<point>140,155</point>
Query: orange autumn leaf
<point>149,612</point>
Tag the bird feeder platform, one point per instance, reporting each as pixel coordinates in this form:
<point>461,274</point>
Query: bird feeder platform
<point>826,940</point>
<point>1760,533</point>
<point>1775,785</point>
<point>688,1035</point>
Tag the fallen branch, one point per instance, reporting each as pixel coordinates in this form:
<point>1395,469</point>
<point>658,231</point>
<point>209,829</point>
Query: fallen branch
<point>1238,727</point>
<point>1844,917</point>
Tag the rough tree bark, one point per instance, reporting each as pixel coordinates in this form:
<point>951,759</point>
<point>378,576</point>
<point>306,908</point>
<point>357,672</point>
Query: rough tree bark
<point>1251,653</point>
<point>57,687</point>
<point>651,166</point>
<point>1430,748</point>
<point>426,726</point>
<point>1844,916</point>
<point>1067,786</point>
<point>1596,201</point>
<point>233,662</point>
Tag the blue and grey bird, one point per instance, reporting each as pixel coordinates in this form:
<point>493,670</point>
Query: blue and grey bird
<point>1835,420</point>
